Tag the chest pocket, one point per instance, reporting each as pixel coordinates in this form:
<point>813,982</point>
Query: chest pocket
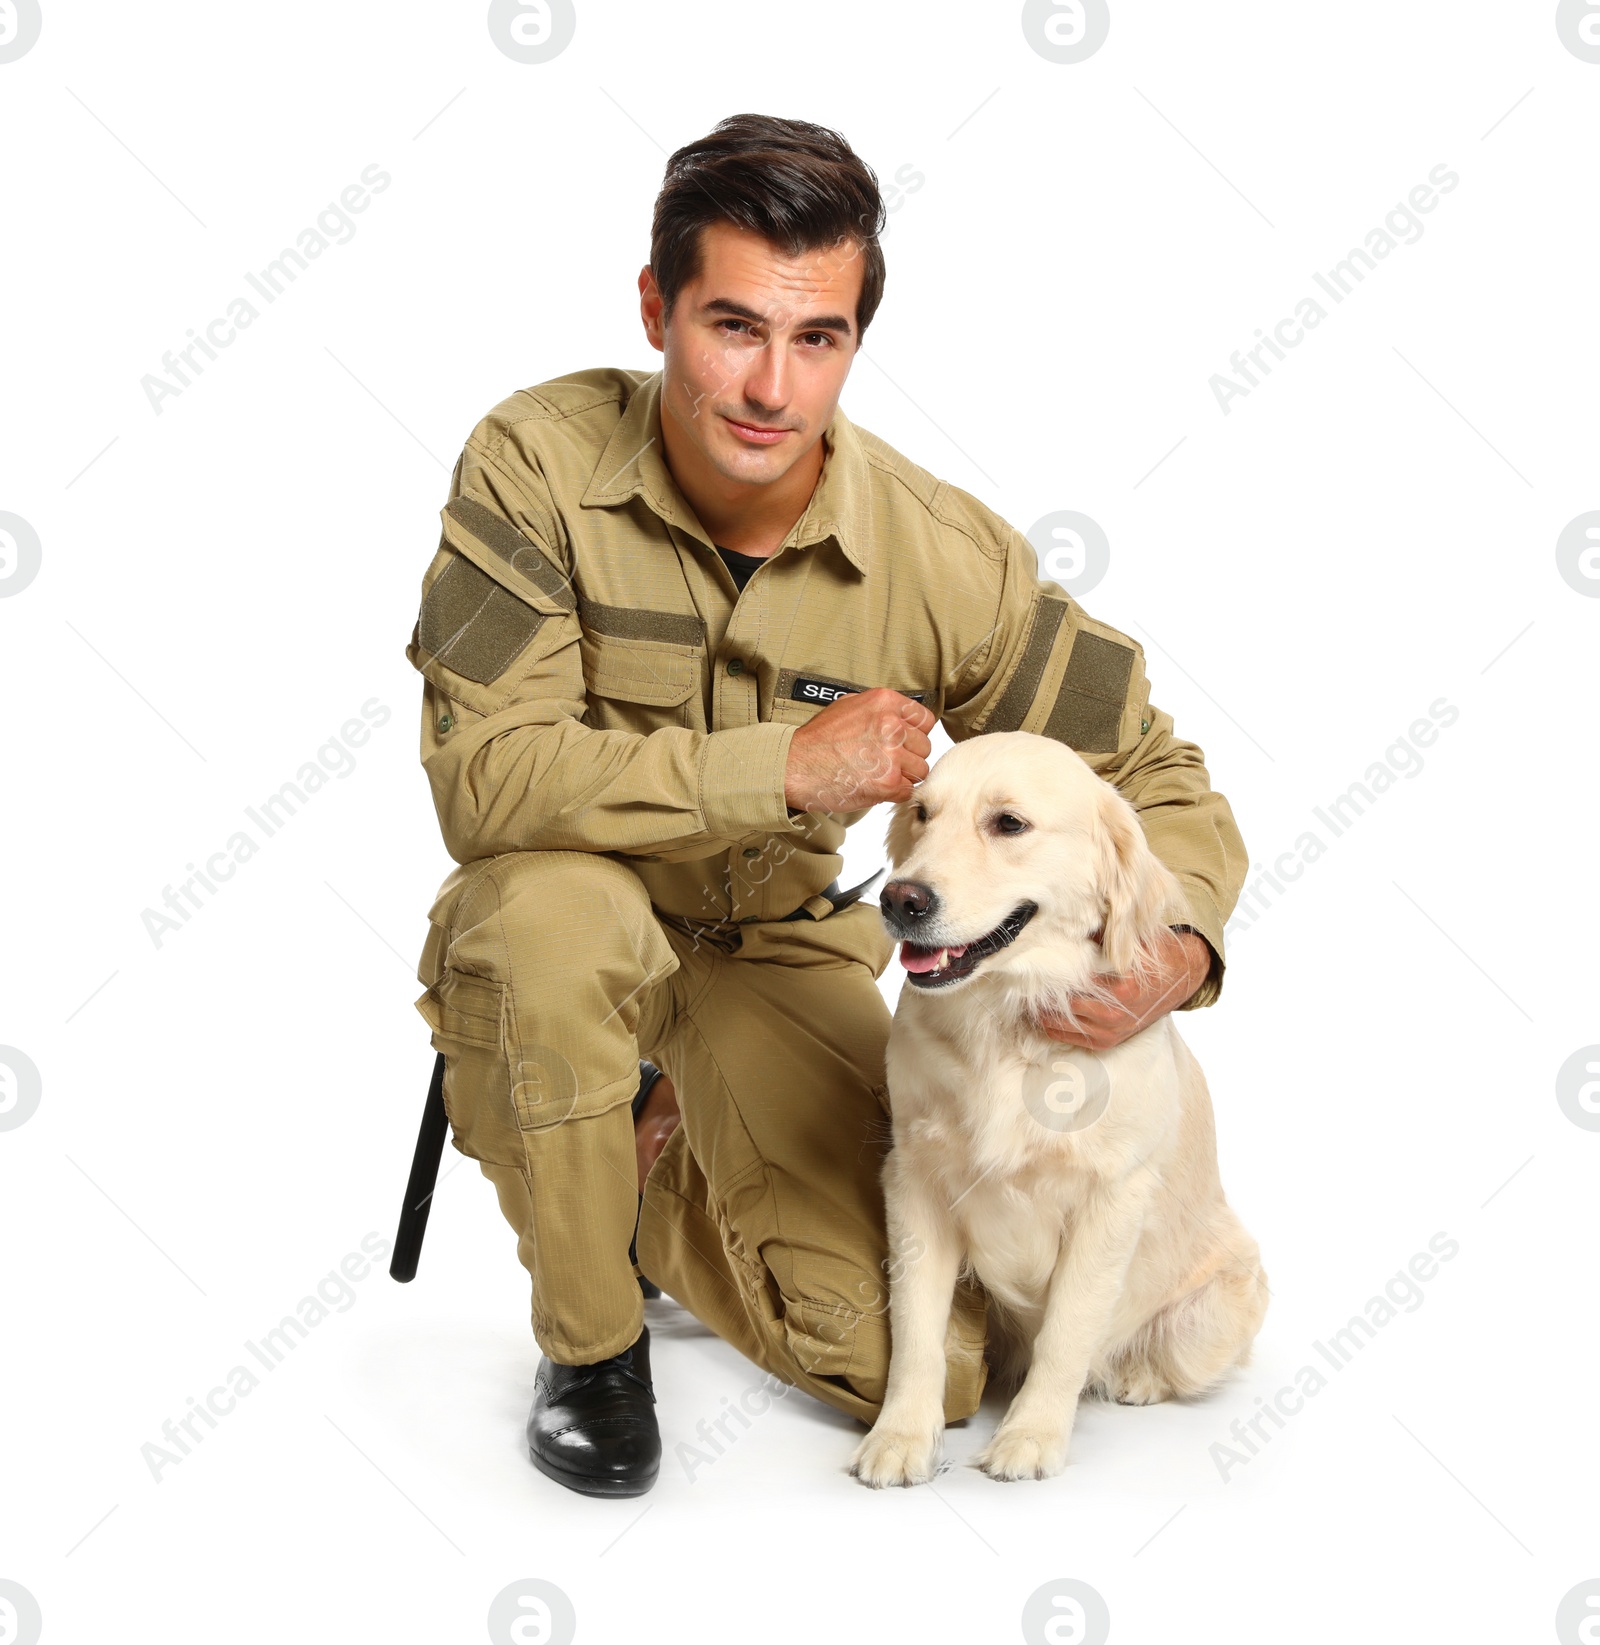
<point>641,685</point>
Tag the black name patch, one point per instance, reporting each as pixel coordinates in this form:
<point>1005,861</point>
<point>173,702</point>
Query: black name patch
<point>811,688</point>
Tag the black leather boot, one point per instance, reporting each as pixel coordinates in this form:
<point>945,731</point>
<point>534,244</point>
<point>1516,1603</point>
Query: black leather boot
<point>593,1427</point>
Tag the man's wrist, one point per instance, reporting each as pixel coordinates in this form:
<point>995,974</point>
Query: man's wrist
<point>1205,966</point>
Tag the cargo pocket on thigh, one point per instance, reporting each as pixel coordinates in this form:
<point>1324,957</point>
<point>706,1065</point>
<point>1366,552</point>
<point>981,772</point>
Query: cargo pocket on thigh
<point>811,1320</point>
<point>466,1015</point>
<point>821,1340</point>
<point>544,1090</point>
<point>545,1087</point>
<point>535,1086</point>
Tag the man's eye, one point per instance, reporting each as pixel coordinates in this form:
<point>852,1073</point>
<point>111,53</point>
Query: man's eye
<point>818,337</point>
<point>734,325</point>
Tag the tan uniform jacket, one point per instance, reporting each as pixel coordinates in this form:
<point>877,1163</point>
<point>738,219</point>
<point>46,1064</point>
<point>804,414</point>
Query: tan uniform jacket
<point>595,683</point>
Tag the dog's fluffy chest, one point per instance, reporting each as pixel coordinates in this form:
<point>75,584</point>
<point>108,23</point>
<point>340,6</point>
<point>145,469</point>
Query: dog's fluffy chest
<point>1011,1199</point>
<point>1010,1161</point>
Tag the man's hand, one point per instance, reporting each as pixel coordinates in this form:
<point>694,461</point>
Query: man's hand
<point>1183,961</point>
<point>864,748</point>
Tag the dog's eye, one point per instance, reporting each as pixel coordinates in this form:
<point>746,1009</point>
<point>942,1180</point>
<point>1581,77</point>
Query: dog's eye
<point>1006,823</point>
<point>919,812</point>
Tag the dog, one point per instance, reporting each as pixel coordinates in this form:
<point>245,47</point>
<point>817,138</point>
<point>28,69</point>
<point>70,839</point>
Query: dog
<point>1080,1189</point>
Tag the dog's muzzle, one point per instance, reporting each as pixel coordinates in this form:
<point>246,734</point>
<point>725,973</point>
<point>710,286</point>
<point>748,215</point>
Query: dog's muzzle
<point>932,965</point>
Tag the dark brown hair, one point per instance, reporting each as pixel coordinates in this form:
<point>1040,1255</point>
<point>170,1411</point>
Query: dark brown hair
<point>798,185</point>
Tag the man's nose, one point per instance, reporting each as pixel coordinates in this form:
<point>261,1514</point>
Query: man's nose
<point>908,903</point>
<point>767,385</point>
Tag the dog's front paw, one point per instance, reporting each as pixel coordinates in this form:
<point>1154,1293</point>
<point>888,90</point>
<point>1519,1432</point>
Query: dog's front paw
<point>1024,1453</point>
<point>898,1456</point>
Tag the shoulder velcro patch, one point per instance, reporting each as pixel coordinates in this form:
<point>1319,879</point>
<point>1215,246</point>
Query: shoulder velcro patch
<point>520,553</point>
<point>1012,709</point>
<point>1087,713</point>
<point>472,624</point>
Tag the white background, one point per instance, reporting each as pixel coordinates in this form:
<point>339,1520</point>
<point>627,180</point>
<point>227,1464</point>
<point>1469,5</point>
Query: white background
<point>1373,528</point>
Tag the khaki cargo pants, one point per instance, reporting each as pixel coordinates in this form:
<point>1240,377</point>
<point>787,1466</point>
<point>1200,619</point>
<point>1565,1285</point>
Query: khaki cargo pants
<point>548,976</point>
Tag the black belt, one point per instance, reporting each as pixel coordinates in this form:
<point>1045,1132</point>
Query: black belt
<point>839,899</point>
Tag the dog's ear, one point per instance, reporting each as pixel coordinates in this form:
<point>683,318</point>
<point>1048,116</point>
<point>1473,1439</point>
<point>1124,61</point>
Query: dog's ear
<point>1139,890</point>
<point>897,841</point>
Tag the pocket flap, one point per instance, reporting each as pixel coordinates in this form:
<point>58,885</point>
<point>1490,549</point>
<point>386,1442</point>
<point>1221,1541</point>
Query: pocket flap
<point>638,671</point>
<point>470,1009</point>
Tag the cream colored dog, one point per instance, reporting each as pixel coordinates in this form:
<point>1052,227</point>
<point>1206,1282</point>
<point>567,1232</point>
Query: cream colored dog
<point>1081,1189</point>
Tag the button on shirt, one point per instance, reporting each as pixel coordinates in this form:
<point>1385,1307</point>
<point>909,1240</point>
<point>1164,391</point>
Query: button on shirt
<point>598,677</point>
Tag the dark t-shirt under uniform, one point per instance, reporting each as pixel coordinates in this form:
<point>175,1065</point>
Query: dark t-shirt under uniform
<point>741,565</point>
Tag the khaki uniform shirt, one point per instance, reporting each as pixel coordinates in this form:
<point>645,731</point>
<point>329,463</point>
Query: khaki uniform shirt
<point>594,681</point>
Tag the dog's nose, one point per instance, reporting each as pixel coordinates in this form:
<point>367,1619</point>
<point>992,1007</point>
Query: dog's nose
<point>907,902</point>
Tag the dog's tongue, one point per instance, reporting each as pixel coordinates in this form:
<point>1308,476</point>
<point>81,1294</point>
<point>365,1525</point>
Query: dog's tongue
<point>914,958</point>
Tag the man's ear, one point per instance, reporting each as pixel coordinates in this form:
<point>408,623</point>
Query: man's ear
<point>1137,889</point>
<point>897,841</point>
<point>651,309</point>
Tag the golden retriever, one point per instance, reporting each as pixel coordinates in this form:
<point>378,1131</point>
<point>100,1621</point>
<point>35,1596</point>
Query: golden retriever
<point>1080,1188</point>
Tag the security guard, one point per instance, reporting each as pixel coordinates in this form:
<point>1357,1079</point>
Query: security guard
<point>680,632</point>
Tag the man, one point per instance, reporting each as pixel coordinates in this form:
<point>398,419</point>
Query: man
<point>681,632</point>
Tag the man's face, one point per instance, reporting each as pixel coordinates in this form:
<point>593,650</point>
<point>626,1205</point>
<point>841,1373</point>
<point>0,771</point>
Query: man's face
<point>756,351</point>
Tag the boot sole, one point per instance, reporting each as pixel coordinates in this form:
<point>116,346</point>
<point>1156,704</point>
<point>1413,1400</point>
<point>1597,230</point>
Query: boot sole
<point>587,1485</point>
